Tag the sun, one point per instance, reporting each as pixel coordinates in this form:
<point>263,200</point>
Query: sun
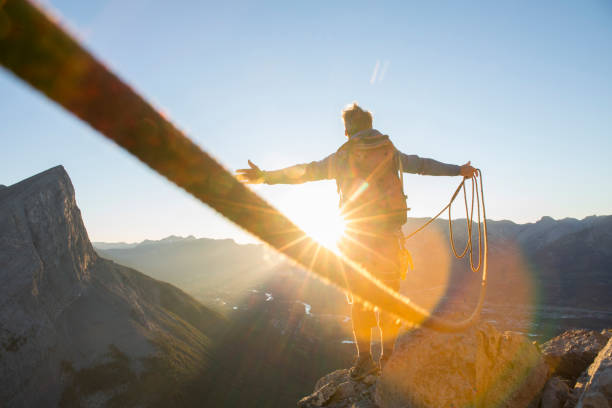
<point>319,218</point>
<point>324,227</point>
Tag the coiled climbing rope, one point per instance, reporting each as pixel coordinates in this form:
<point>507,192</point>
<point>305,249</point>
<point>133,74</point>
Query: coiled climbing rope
<point>483,243</point>
<point>41,53</point>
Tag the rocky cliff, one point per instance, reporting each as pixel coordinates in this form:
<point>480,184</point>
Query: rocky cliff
<point>79,330</point>
<point>480,367</point>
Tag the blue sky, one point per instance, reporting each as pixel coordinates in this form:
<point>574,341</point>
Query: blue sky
<point>523,89</point>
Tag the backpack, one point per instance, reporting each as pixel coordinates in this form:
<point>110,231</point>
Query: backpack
<point>371,191</point>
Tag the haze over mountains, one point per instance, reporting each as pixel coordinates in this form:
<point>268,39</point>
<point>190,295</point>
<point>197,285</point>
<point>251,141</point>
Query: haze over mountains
<point>208,267</point>
<point>548,268</point>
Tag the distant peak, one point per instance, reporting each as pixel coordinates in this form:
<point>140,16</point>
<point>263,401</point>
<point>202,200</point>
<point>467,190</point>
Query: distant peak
<point>174,238</point>
<point>546,219</point>
<point>168,240</point>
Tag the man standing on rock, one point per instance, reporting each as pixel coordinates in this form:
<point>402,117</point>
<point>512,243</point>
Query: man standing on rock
<point>367,169</point>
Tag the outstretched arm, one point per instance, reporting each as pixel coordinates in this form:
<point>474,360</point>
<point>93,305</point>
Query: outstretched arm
<point>300,173</point>
<point>430,167</point>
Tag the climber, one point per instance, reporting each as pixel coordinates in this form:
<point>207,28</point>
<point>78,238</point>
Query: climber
<point>373,205</point>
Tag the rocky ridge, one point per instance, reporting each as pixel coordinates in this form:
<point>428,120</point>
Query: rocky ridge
<point>77,329</point>
<point>581,365</point>
<point>597,389</point>
<point>480,368</point>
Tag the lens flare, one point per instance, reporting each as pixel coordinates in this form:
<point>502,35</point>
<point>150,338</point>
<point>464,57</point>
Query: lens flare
<point>325,228</point>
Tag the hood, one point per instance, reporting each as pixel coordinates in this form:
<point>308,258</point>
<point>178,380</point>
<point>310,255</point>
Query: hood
<point>365,133</point>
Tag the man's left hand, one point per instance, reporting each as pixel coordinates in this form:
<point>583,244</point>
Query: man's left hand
<point>467,170</point>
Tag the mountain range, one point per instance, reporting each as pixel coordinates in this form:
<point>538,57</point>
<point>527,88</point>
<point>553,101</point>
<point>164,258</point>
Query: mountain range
<point>238,325</point>
<point>540,270</point>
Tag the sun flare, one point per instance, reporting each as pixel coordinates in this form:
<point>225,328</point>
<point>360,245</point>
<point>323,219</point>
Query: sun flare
<point>314,208</point>
<point>324,227</point>
<point>320,219</point>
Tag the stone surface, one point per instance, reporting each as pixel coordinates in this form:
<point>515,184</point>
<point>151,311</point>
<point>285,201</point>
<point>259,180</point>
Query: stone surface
<point>570,353</point>
<point>479,367</point>
<point>597,391</point>
<point>344,391</point>
<point>594,400</point>
<point>476,368</point>
<point>370,379</point>
<point>555,394</point>
<point>338,390</point>
<point>576,392</point>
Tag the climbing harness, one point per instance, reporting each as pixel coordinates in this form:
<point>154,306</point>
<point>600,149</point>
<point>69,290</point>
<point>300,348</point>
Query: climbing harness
<point>37,50</point>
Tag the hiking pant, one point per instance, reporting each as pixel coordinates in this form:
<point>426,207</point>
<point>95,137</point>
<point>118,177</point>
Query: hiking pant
<point>379,254</point>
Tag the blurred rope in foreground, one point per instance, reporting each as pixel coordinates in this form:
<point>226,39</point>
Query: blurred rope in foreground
<point>37,50</point>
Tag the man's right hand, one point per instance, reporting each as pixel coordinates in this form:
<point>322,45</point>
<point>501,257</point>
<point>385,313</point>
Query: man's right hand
<point>253,175</point>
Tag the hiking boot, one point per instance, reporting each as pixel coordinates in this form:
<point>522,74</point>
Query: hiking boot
<point>363,366</point>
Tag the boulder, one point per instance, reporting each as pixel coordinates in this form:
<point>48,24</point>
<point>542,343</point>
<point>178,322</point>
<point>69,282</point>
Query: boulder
<point>570,353</point>
<point>344,391</point>
<point>556,392</point>
<point>479,367</point>
<point>577,391</point>
<point>338,390</point>
<point>597,391</point>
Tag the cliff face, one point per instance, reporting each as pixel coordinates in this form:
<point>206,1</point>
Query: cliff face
<point>45,262</point>
<point>44,239</point>
<point>69,316</point>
